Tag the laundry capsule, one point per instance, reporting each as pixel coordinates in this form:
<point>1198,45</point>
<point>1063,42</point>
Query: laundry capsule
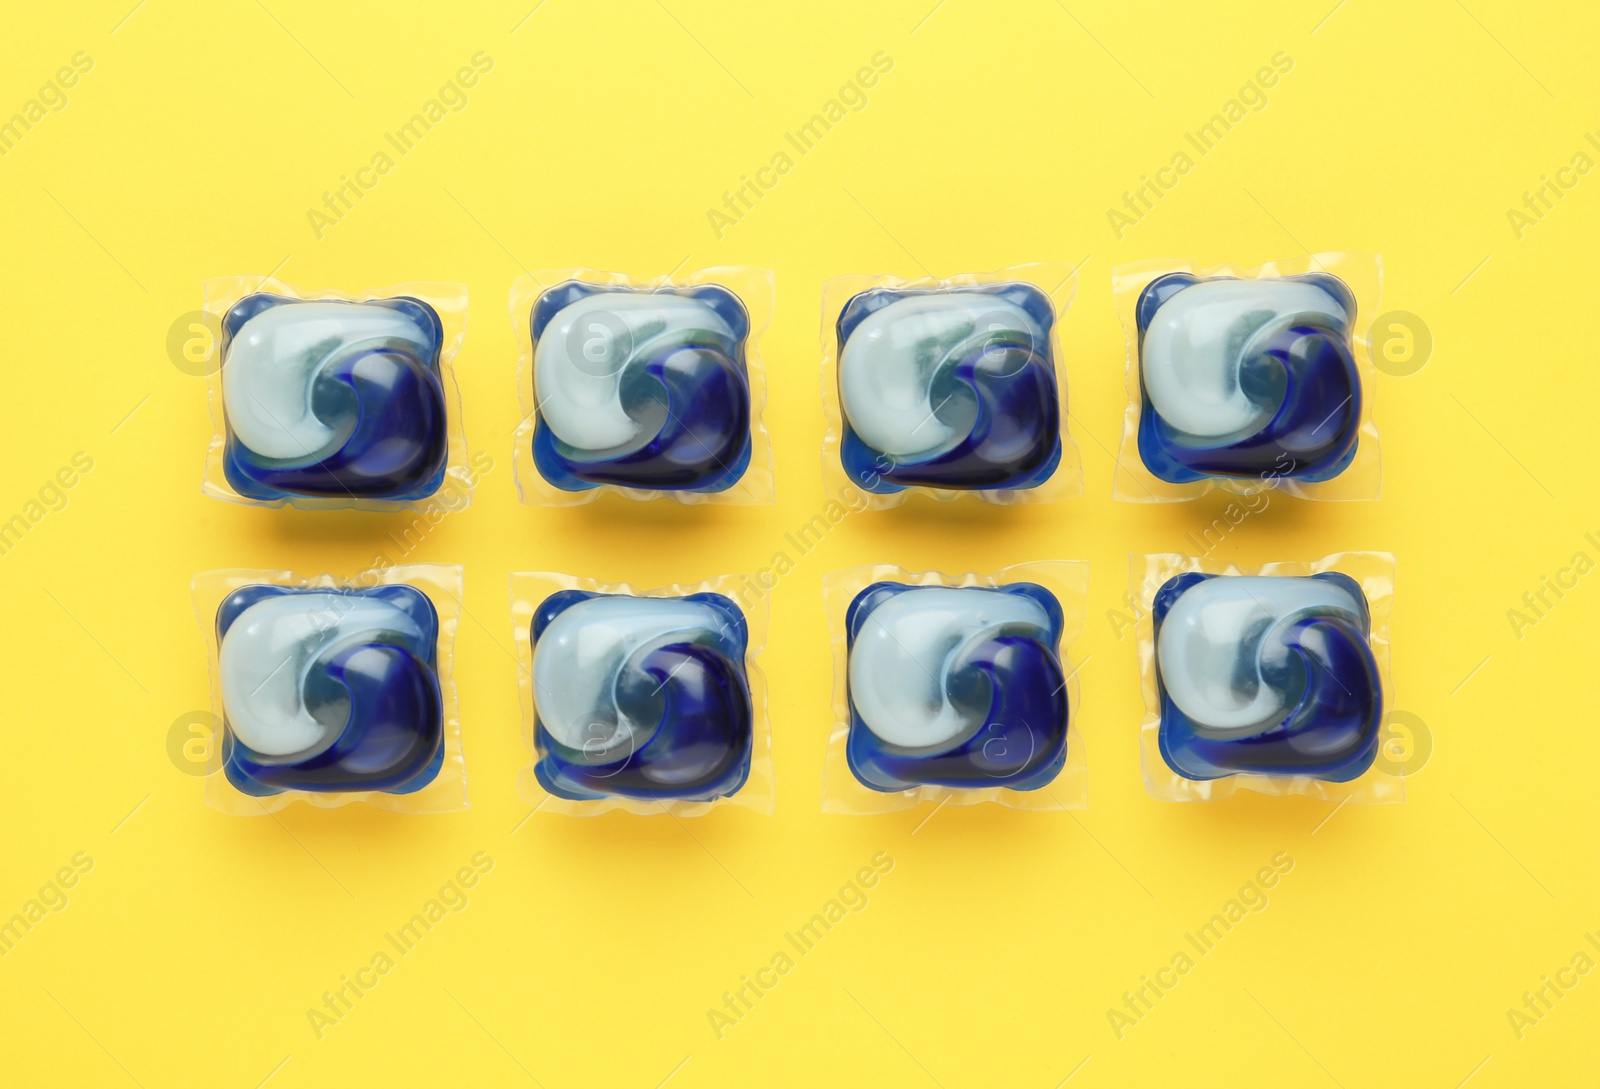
<point>958,687</point>
<point>948,388</point>
<point>329,690</point>
<point>641,697</point>
<point>1247,378</point>
<point>332,399</point>
<point>1269,675</point>
<point>643,388</point>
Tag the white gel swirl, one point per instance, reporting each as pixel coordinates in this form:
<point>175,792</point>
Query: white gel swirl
<point>579,661</point>
<point>274,360</point>
<point>908,647</point>
<point>1223,634</point>
<point>271,647</point>
<point>893,359</point>
<point>592,346</point>
<point>1199,339</point>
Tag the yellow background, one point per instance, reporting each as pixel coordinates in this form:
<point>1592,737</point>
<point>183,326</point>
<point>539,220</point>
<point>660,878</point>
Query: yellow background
<point>592,950</point>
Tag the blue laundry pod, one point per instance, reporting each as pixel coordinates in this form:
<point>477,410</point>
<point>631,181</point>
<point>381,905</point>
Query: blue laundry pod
<point>641,697</point>
<point>1267,675</point>
<point>956,687</point>
<point>948,388</point>
<point>641,388</point>
<point>330,690</point>
<point>333,400</point>
<point>1250,379</point>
